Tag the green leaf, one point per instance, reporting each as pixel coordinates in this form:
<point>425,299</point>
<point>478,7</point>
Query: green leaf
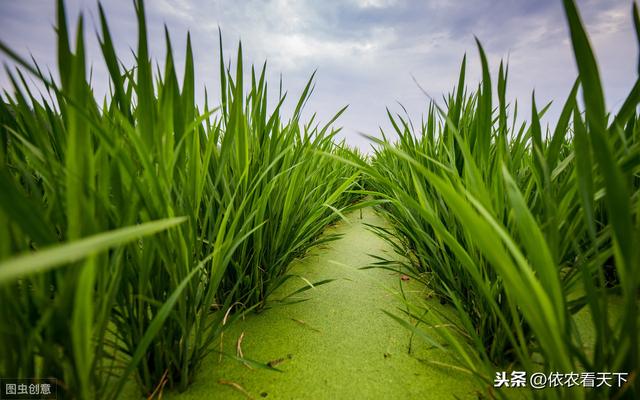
<point>58,255</point>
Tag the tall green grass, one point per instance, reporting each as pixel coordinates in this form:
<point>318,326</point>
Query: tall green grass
<point>519,229</point>
<point>164,220</point>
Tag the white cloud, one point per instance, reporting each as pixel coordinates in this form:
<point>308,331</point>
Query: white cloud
<point>376,3</point>
<point>175,8</point>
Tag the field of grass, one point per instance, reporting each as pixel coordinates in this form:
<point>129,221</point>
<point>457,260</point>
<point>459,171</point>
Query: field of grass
<point>137,229</point>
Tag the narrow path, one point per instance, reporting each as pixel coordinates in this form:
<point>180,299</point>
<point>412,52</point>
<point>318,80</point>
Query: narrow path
<point>337,345</point>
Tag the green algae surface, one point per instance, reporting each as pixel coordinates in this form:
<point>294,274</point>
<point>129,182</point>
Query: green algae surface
<point>338,344</point>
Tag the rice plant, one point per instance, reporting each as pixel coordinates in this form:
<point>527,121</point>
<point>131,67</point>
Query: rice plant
<point>229,193</point>
<point>134,229</point>
<point>521,229</point>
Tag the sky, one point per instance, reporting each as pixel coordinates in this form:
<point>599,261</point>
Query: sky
<point>369,54</point>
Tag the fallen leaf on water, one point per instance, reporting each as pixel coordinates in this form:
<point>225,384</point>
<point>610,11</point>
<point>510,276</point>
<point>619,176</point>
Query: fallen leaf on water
<point>275,362</point>
<point>305,324</point>
<point>236,387</point>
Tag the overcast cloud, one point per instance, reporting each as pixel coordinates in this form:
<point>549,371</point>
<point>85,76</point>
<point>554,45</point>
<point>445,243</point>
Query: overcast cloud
<point>366,51</point>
